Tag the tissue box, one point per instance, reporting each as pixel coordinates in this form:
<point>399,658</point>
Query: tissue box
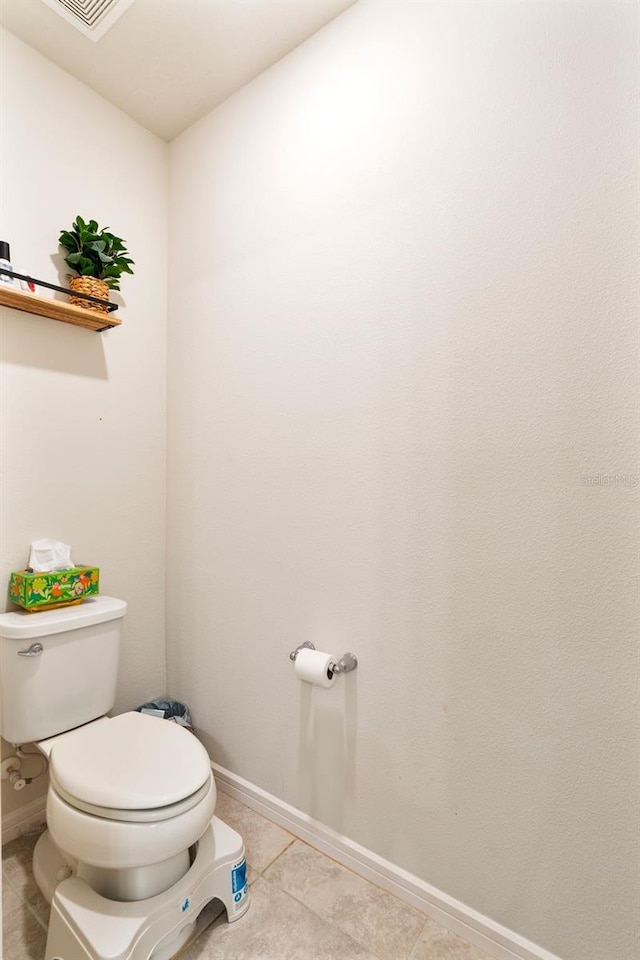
<point>41,591</point>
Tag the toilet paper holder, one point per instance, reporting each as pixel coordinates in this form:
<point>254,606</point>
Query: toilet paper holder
<point>345,664</point>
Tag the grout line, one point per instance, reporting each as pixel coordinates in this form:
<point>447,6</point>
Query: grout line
<point>325,920</point>
<point>277,856</point>
<point>316,913</point>
<point>25,903</point>
<point>414,949</point>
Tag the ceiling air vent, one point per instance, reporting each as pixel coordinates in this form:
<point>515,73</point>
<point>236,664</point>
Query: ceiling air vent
<point>91,17</point>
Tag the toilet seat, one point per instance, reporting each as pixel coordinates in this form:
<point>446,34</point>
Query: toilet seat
<point>153,815</point>
<point>132,767</point>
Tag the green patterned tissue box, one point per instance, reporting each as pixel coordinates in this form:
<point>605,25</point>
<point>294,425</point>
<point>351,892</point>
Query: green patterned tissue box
<point>41,591</point>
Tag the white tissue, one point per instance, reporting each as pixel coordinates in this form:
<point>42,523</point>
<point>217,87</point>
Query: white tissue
<point>46,556</point>
<point>314,666</point>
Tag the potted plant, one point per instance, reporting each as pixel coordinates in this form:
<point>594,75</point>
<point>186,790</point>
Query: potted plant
<point>99,259</point>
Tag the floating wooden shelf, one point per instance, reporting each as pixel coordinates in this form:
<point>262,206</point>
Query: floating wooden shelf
<point>56,309</point>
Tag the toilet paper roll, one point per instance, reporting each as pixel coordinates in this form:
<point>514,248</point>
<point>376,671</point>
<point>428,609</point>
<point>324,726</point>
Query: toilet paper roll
<point>314,666</point>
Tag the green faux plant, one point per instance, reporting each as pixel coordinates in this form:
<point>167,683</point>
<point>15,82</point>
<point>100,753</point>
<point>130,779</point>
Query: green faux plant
<point>94,252</point>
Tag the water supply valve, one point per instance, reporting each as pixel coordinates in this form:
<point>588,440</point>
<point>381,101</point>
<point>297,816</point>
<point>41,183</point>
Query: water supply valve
<point>10,770</point>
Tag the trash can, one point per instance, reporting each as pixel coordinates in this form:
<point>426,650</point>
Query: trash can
<point>168,710</point>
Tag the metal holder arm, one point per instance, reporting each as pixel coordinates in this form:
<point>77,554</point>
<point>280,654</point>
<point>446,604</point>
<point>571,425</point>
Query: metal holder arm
<point>345,664</point>
<point>307,645</point>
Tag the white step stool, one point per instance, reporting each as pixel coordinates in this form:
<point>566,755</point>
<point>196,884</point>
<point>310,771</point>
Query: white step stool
<point>86,926</point>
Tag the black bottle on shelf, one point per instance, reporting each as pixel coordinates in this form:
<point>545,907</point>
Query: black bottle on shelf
<point>5,261</point>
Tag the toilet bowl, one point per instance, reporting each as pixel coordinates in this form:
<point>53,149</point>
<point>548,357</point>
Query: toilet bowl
<point>127,795</point>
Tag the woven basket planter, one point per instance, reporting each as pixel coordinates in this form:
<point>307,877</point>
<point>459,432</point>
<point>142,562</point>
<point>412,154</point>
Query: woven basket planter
<point>94,288</point>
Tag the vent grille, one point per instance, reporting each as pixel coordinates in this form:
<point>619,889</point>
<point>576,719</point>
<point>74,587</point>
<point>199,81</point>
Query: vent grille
<point>89,11</point>
<point>91,17</point>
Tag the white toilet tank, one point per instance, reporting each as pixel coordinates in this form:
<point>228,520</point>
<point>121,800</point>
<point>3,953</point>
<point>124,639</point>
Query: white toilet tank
<point>70,680</point>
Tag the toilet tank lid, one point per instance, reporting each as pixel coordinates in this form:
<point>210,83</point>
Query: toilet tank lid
<point>22,625</point>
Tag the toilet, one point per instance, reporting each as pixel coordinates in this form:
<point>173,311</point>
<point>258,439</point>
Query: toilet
<point>132,851</point>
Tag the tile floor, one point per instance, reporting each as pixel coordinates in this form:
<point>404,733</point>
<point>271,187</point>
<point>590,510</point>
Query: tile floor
<point>304,907</point>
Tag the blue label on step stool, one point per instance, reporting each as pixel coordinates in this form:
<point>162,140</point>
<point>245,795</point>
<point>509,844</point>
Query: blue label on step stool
<point>239,880</point>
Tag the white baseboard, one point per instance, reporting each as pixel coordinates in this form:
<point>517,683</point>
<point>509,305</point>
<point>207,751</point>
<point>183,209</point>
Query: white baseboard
<point>498,941</point>
<point>24,819</point>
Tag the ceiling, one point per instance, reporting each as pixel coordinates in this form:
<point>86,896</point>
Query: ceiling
<point>167,63</point>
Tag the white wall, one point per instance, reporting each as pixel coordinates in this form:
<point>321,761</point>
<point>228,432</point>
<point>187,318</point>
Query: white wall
<point>403,332</point>
<point>84,414</point>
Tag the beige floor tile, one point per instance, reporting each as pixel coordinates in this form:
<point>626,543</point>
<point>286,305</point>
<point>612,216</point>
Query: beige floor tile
<point>376,919</point>
<point>10,899</point>
<point>210,913</point>
<point>16,865</point>
<point>23,936</point>
<point>437,943</point>
<point>37,903</point>
<point>275,927</point>
<point>263,840</point>
<point>41,907</point>
<point>205,918</point>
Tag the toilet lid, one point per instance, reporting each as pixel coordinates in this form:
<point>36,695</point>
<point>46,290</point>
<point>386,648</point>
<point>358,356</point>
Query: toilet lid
<point>131,762</point>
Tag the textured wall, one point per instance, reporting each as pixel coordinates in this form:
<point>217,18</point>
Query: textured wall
<point>402,360</point>
<point>84,414</point>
